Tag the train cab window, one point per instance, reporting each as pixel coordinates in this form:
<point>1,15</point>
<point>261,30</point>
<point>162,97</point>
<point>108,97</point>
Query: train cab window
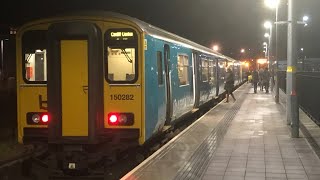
<point>183,65</point>
<point>205,70</point>
<point>159,65</point>
<point>121,52</point>
<point>34,56</point>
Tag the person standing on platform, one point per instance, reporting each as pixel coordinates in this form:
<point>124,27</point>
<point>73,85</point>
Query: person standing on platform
<point>261,79</point>
<point>266,79</point>
<point>229,84</point>
<point>255,80</point>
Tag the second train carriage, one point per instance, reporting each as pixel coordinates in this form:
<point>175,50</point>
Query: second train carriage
<point>102,79</point>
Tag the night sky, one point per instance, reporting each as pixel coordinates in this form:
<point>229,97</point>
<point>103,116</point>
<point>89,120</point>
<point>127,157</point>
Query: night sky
<point>233,24</point>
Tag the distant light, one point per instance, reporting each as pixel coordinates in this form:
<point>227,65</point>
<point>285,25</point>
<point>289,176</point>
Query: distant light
<point>272,3</point>
<point>242,50</point>
<point>305,18</point>
<point>267,24</point>
<point>215,48</point>
<point>305,24</point>
<point>301,49</point>
<point>266,35</point>
<point>265,43</point>
<point>262,61</point>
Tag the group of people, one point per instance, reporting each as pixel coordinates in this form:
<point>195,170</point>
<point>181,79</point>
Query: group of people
<point>262,78</point>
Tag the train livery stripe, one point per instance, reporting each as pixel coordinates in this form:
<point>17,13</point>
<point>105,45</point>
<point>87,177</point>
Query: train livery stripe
<point>74,87</point>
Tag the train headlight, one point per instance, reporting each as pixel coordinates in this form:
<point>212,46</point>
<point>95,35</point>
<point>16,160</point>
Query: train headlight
<point>36,118</point>
<point>123,119</point>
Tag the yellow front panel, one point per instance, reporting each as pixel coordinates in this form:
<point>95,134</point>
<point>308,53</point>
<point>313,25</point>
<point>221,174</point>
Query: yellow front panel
<point>74,83</point>
<point>28,101</point>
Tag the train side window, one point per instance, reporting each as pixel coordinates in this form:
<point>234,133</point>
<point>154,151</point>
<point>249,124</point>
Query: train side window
<point>211,71</point>
<point>159,64</point>
<point>183,65</point>
<point>205,70</point>
<point>34,56</point>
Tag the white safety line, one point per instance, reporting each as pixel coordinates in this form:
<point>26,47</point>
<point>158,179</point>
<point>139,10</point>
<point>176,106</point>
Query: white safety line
<point>168,143</point>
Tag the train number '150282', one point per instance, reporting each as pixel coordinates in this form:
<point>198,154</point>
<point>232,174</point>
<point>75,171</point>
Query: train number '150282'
<point>122,97</point>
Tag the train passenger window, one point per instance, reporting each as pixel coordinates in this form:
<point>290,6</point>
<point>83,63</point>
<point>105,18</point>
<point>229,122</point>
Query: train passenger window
<point>211,71</point>
<point>205,70</point>
<point>34,56</point>
<point>121,52</point>
<point>183,65</point>
<point>159,64</point>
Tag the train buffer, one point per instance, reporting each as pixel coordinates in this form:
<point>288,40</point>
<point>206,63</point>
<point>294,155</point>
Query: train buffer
<point>245,139</point>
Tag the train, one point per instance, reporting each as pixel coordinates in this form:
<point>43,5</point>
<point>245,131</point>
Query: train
<point>91,83</point>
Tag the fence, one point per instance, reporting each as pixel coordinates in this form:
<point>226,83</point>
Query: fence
<point>308,91</point>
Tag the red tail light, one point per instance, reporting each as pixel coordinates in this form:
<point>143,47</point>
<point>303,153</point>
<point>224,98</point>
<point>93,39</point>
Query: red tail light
<point>113,119</point>
<point>45,118</point>
<point>120,119</point>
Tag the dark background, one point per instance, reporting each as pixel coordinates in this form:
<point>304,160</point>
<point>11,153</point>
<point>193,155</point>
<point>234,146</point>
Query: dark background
<point>233,24</point>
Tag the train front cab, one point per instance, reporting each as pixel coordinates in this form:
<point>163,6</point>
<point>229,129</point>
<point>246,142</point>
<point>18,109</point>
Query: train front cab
<point>94,87</point>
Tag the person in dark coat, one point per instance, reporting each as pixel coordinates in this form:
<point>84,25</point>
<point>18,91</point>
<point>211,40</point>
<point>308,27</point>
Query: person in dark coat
<point>261,78</point>
<point>266,79</point>
<point>229,84</point>
<point>255,80</point>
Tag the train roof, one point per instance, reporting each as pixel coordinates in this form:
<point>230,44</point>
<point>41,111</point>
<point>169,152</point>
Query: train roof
<point>151,30</point>
<point>158,32</point>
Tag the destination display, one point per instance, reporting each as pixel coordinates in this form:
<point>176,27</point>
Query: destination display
<point>121,35</point>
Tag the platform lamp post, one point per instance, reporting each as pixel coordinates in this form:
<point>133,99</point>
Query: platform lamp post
<point>274,4</point>
<point>268,25</point>
<point>292,99</point>
<point>267,35</point>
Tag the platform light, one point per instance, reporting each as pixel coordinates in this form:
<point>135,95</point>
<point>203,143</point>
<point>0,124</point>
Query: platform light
<point>267,24</point>
<point>215,48</point>
<point>242,50</point>
<point>272,3</point>
<point>266,35</point>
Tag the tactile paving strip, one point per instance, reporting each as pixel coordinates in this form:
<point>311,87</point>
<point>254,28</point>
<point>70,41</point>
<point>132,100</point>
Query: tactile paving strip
<point>195,167</point>
<point>311,140</point>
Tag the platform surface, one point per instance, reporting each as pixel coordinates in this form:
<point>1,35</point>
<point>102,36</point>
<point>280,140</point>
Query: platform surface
<point>248,139</point>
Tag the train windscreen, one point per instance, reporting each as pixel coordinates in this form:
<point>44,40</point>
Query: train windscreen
<point>34,56</point>
<point>121,52</point>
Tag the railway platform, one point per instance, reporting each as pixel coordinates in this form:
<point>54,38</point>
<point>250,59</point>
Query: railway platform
<point>248,139</point>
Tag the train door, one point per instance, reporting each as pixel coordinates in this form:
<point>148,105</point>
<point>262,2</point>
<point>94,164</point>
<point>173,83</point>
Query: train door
<point>75,82</point>
<point>196,92</point>
<point>167,68</point>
